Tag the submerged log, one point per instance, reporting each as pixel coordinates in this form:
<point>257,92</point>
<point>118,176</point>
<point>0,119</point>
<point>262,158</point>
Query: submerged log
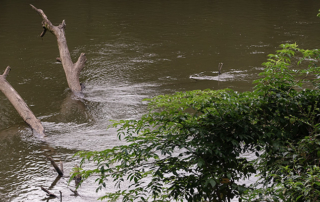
<point>72,70</point>
<point>20,105</point>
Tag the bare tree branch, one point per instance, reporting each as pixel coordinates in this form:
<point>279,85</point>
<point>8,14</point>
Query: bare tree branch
<point>6,72</point>
<point>48,192</point>
<point>56,167</point>
<point>71,70</point>
<point>20,105</point>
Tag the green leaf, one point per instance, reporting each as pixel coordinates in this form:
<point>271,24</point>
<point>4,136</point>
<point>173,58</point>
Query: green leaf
<point>212,182</point>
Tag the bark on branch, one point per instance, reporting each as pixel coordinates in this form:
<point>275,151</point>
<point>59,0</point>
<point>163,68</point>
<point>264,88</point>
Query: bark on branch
<point>20,105</point>
<point>72,70</point>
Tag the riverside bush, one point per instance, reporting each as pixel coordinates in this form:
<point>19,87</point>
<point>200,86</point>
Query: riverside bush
<point>189,145</point>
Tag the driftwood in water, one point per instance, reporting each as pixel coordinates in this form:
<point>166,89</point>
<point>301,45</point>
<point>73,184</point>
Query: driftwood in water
<point>72,70</point>
<point>56,167</point>
<point>48,192</point>
<point>20,105</point>
<point>54,183</point>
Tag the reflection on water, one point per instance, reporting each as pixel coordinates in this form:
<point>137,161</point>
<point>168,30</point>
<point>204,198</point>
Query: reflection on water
<point>20,164</point>
<point>135,50</point>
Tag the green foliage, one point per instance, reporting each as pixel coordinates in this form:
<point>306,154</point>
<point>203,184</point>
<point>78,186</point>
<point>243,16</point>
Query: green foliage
<point>189,145</point>
<point>296,176</point>
<point>288,165</point>
<point>185,145</point>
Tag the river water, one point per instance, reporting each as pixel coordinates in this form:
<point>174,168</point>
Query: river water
<point>135,50</point>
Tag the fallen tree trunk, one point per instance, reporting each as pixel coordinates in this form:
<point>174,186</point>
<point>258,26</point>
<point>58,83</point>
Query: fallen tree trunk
<point>20,105</point>
<point>72,70</point>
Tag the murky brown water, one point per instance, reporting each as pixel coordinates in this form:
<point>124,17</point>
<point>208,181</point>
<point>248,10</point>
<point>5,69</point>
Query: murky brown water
<point>135,49</point>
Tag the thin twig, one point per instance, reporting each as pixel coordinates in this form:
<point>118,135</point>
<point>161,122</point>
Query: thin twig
<point>43,32</point>
<point>220,67</point>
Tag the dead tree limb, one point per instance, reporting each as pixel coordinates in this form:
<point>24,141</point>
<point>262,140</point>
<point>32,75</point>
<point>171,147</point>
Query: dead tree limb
<point>20,105</point>
<point>48,192</point>
<point>72,70</point>
<point>54,183</point>
<point>53,163</point>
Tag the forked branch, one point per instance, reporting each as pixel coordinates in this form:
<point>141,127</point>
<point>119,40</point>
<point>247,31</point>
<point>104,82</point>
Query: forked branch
<point>72,70</point>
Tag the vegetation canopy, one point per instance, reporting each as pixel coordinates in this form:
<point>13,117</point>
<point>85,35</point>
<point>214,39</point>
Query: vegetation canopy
<point>189,146</point>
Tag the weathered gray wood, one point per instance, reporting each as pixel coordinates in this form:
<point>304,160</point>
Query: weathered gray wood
<point>72,70</point>
<point>20,105</point>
